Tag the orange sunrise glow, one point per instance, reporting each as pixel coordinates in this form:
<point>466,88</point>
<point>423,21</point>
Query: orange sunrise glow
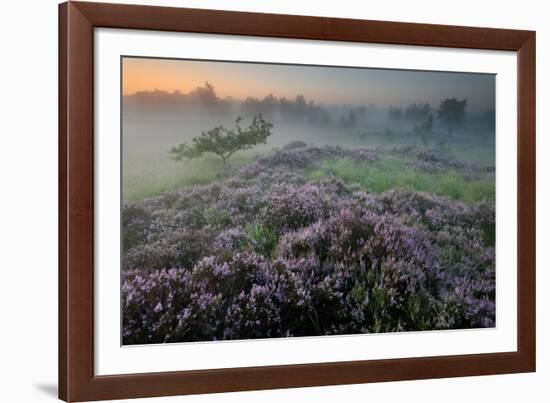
<point>184,76</point>
<point>323,84</point>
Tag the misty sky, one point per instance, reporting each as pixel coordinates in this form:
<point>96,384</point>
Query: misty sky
<point>329,85</point>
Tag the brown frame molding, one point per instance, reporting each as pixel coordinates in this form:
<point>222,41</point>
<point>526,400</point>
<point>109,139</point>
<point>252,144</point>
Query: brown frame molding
<point>77,21</point>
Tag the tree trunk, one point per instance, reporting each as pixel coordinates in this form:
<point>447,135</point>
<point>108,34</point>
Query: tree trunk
<point>225,167</point>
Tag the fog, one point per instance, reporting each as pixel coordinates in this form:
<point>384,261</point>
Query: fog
<point>409,193</point>
<point>155,120</point>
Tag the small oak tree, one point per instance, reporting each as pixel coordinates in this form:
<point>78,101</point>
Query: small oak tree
<point>224,142</point>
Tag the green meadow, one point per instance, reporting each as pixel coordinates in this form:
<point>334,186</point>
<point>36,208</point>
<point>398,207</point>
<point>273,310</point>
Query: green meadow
<point>148,171</point>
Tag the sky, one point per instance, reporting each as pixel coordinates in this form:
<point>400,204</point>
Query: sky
<point>328,85</point>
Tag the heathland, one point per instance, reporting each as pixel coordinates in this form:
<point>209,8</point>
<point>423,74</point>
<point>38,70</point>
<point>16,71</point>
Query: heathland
<point>347,220</point>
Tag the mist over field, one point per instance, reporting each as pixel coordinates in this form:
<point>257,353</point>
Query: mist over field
<point>275,201</point>
<point>154,121</point>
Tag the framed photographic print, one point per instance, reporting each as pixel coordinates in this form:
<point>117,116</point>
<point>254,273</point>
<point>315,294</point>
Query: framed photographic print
<point>255,201</point>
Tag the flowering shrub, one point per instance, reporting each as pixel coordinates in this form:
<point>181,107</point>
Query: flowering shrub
<point>433,161</point>
<point>266,253</point>
<point>291,207</point>
<point>180,247</point>
<point>294,144</point>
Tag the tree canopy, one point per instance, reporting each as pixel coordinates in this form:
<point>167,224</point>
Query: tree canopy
<point>418,111</point>
<point>224,142</point>
<point>452,112</point>
<point>205,95</point>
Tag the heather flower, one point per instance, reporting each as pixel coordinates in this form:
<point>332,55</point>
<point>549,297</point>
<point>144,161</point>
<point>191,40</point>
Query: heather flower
<point>264,252</point>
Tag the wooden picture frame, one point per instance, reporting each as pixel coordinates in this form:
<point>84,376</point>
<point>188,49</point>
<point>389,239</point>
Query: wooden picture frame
<point>77,21</point>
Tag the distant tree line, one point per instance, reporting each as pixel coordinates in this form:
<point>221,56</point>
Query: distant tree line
<point>297,110</point>
<point>204,96</point>
<point>294,110</point>
<point>300,110</point>
<point>414,112</point>
<point>450,114</point>
<point>350,121</point>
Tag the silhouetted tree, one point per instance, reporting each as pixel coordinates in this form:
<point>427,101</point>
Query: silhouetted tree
<point>252,106</point>
<point>452,113</point>
<point>205,95</point>
<point>418,111</point>
<point>425,130</point>
<point>317,115</point>
<point>300,103</point>
<point>350,121</point>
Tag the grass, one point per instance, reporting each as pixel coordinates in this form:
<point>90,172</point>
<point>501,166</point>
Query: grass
<point>477,154</point>
<point>393,173</point>
<point>265,238</point>
<point>149,172</point>
<point>148,177</point>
